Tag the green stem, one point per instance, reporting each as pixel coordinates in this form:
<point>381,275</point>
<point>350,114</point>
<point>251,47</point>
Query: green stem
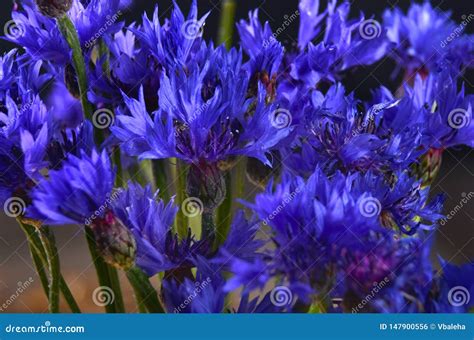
<point>147,295</point>
<point>224,211</point>
<point>226,25</point>
<point>69,32</point>
<point>139,300</point>
<point>101,268</point>
<point>160,177</point>
<point>115,285</point>
<point>39,265</point>
<point>208,228</point>
<point>66,26</point>
<point>178,172</point>
<point>240,171</point>
<point>69,297</point>
<point>47,239</point>
<point>119,180</point>
<point>38,254</point>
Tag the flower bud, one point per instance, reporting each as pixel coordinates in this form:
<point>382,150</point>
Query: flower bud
<point>114,241</point>
<point>54,8</point>
<point>206,182</point>
<point>428,166</point>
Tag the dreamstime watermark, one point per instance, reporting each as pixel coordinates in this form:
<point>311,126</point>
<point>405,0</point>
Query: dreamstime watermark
<point>111,20</point>
<point>281,296</point>
<point>370,207</point>
<point>370,29</point>
<point>459,296</point>
<point>280,118</point>
<point>104,207</point>
<point>466,197</point>
<point>200,286</point>
<point>459,118</point>
<point>47,328</point>
<point>14,29</point>
<point>458,31</point>
<point>378,286</point>
<point>22,286</point>
<point>288,20</point>
<point>198,112</point>
<point>286,200</point>
<point>372,114</point>
<point>192,29</point>
<point>103,296</point>
<point>192,207</point>
<point>103,118</point>
<point>14,207</point>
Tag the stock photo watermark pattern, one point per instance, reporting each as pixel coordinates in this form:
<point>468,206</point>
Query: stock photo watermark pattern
<point>21,288</point>
<point>298,159</point>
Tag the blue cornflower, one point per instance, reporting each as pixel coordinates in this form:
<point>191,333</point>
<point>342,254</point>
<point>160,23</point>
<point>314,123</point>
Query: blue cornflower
<point>336,135</point>
<point>66,110</point>
<point>28,128</point>
<point>202,118</point>
<point>13,177</point>
<point>401,202</point>
<point>40,35</point>
<point>241,240</point>
<point>200,294</point>
<point>7,74</point>
<point>75,192</point>
<point>129,65</point>
<point>390,271</point>
<point>260,44</point>
<point>21,78</point>
<point>346,43</point>
<point>151,222</point>
<point>446,113</point>
<point>456,288</point>
<point>310,20</point>
<point>311,222</point>
<point>425,36</point>
<point>175,42</point>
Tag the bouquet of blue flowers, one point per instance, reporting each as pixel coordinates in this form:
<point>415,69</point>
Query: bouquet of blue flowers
<point>242,179</point>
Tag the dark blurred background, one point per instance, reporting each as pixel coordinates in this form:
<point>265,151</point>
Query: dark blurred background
<point>454,241</point>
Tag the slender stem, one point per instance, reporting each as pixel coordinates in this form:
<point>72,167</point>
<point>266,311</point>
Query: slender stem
<point>160,178</point>
<point>224,211</point>
<point>100,267</point>
<point>69,32</point>
<point>68,296</point>
<point>239,178</point>
<point>178,172</point>
<point>146,293</point>
<point>39,265</point>
<point>66,26</point>
<point>115,285</point>
<point>139,300</point>
<point>38,254</point>
<point>105,53</point>
<point>208,228</point>
<point>226,25</point>
<point>47,239</point>
<point>119,180</point>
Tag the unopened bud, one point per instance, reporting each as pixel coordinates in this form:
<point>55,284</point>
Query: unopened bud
<point>114,241</point>
<point>428,166</point>
<point>206,182</point>
<point>54,8</point>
